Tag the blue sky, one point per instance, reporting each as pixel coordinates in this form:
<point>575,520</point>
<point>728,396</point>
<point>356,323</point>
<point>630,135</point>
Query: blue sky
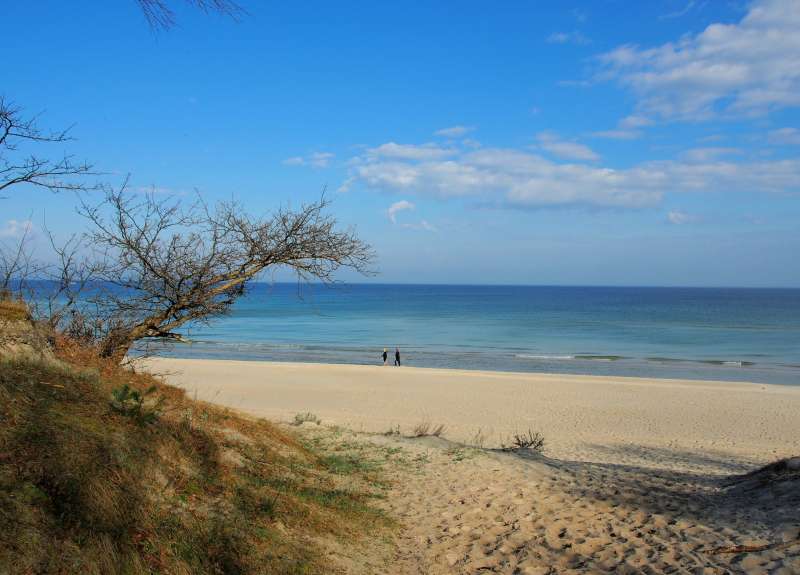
<point>613,143</point>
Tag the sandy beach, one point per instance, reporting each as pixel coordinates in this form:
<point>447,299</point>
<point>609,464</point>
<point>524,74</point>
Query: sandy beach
<point>638,476</point>
<point>668,424</point>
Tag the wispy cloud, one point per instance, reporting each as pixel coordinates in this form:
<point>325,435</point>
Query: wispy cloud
<point>567,149</point>
<point>618,134</point>
<point>314,160</point>
<point>402,205</point>
<point>580,15</point>
<point>688,7</point>
<point>423,225</point>
<point>15,229</point>
<point>629,128</point>
<point>747,68</point>
<point>454,131</point>
<point>679,217</point>
<point>574,37</point>
<point>709,154</point>
<point>784,137</point>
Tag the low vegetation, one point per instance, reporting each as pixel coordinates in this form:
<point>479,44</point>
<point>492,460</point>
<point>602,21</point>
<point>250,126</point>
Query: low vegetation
<point>427,429</point>
<point>11,309</point>
<point>105,470</point>
<point>306,417</point>
<point>529,441</point>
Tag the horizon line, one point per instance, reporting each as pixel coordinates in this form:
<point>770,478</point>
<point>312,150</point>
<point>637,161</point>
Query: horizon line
<point>543,285</point>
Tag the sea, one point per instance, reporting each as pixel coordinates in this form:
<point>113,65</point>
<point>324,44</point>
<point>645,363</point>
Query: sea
<point>695,333</point>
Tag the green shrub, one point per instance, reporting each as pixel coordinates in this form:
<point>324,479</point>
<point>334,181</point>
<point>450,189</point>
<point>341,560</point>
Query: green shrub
<point>302,418</point>
<point>131,403</point>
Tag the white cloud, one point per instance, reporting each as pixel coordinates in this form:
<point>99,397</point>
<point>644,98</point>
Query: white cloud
<point>731,69</point>
<point>320,159</point>
<point>574,37</point>
<point>410,151</point>
<point>634,121</point>
<point>618,134</point>
<point>454,132</point>
<point>423,225</point>
<point>470,143</point>
<point>315,160</point>
<point>524,179</point>
<point>580,15</point>
<point>15,229</point>
<point>784,136</point>
<point>628,128</point>
<point>511,177</point>
<point>679,217</point>
<point>396,207</point>
<point>704,155</point>
<point>565,149</point>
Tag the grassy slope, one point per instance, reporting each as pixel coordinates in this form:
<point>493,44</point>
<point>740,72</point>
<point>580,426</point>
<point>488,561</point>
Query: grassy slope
<point>86,489</point>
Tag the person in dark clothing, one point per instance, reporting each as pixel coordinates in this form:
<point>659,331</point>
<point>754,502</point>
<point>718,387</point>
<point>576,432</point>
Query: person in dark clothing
<point>397,356</point>
<point>385,356</point>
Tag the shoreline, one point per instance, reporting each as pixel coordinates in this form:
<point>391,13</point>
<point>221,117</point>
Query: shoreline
<point>621,379</point>
<point>688,425</point>
<point>580,364</point>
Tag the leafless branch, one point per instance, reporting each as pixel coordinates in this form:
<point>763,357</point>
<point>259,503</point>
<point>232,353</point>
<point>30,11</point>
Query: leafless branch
<point>16,262</point>
<point>18,166</point>
<point>165,265</point>
<point>160,15</point>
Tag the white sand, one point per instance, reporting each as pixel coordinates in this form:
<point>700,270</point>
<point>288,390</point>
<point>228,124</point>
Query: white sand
<point>669,424</point>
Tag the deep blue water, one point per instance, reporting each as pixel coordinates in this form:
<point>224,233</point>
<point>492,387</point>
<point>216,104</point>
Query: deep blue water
<point>706,333</point>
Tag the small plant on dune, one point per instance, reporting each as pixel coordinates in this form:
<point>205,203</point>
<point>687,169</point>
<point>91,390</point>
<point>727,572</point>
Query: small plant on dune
<point>479,439</point>
<point>302,418</point>
<point>530,441</point>
<point>392,431</point>
<point>421,429</point>
<point>131,403</point>
<point>426,429</point>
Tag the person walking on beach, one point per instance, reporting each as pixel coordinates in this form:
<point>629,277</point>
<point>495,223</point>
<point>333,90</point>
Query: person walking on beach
<point>385,356</point>
<point>397,356</point>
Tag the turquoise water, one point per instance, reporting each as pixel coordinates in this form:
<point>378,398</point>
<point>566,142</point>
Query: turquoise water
<point>731,334</point>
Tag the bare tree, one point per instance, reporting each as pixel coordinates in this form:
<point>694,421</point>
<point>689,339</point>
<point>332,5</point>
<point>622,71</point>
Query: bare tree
<point>20,166</point>
<point>16,263</point>
<point>159,14</point>
<point>157,264</point>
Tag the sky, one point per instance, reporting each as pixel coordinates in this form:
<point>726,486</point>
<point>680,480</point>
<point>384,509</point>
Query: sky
<point>508,142</point>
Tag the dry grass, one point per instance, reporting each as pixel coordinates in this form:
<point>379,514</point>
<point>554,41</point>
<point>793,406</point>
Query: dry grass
<point>530,441</point>
<point>12,310</point>
<point>86,489</point>
<point>427,429</point>
<point>479,439</point>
